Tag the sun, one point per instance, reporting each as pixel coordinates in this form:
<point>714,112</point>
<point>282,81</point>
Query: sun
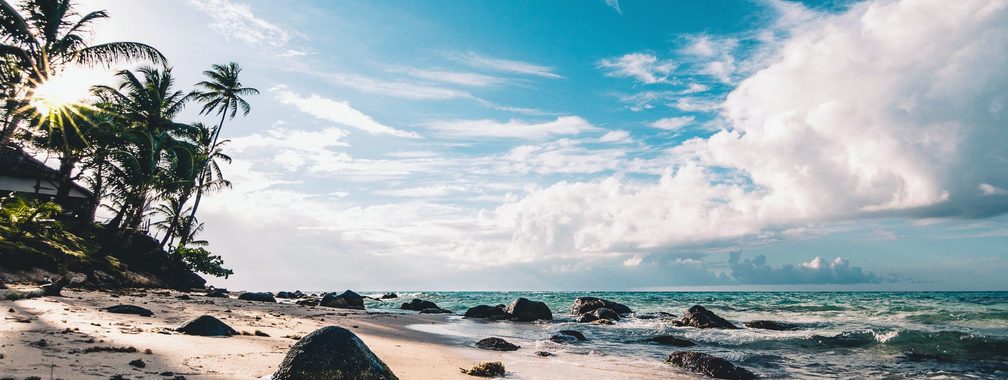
<point>61,91</point>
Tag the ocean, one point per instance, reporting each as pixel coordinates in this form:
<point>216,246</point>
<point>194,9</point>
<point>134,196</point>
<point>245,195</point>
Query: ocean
<point>839,335</point>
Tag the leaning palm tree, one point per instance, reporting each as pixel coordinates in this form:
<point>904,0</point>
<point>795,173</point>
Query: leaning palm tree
<point>222,93</point>
<point>40,37</point>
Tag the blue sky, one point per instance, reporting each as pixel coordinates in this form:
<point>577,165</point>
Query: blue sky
<point>602,144</point>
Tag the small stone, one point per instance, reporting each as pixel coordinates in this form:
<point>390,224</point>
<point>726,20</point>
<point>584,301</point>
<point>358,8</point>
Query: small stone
<point>138,363</point>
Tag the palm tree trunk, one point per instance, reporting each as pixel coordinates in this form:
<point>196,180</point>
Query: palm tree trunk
<point>173,226</point>
<point>202,182</point>
<point>67,165</point>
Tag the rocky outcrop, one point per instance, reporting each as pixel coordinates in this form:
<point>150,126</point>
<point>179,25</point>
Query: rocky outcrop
<point>257,296</point>
<point>494,313</point>
<point>770,325</point>
<point>598,314</point>
<point>584,305</point>
<point>496,344</point>
<point>669,340</point>
<point>332,353</point>
<point>699,317</point>
<point>217,293</point>
<point>206,325</point>
<point>347,300</point>
<point>418,304</point>
<point>290,295</point>
<point>524,310</point>
<point>709,365</point>
<point>387,296</point>
<point>129,309</point>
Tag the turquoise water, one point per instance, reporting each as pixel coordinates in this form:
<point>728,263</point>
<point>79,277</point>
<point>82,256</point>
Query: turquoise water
<point>841,334</point>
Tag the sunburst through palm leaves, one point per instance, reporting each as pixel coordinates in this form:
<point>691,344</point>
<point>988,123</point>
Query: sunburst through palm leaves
<point>57,101</point>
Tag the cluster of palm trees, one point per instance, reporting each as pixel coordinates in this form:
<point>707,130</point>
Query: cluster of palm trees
<point>124,142</point>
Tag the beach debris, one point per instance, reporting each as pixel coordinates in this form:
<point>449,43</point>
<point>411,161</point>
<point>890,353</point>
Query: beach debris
<point>670,340</point>
<point>257,296</point>
<point>387,296</point>
<point>496,344</point>
<point>418,304</point>
<point>485,369</point>
<point>589,305</point>
<point>544,353</point>
<point>494,313</point>
<point>292,336</point>
<point>138,363</point>
<point>700,317</point>
<point>260,333</point>
<point>129,349</point>
<point>347,300</point>
<point>597,314</point>
<point>770,325</point>
<point>129,309</point>
<point>524,310</point>
<point>206,325</point>
<point>332,353</point>
<point>709,365</point>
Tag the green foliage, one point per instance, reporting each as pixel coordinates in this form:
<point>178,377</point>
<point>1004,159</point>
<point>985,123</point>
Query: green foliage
<point>21,217</point>
<point>200,260</point>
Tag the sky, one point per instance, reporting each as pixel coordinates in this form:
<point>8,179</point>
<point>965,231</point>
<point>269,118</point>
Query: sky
<point>610,145</point>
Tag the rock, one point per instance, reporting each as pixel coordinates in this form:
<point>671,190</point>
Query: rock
<point>524,310</point>
<point>574,333</point>
<point>567,337</point>
<point>435,310</point>
<point>670,340</point>
<point>496,344</point>
<point>387,296</point>
<point>54,289</point>
<point>486,369</point>
<point>347,300</point>
<point>770,325</point>
<point>138,363</point>
<point>206,325</point>
<point>183,297</point>
<point>332,353</point>
<point>286,295</point>
<point>129,309</point>
<point>700,317</point>
<point>257,296</point>
<point>418,304</point>
<point>217,293</point>
<point>709,365</point>
<point>602,321</point>
<point>260,333</point>
<point>583,305</point>
<point>543,353</point>
<point>658,315</point>
<point>488,312</point>
<point>601,313</point>
<point>311,301</point>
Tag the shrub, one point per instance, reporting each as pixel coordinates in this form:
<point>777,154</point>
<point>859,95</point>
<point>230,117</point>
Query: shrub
<point>200,260</point>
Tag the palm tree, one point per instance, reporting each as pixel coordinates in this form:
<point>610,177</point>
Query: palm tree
<point>44,37</point>
<point>222,93</point>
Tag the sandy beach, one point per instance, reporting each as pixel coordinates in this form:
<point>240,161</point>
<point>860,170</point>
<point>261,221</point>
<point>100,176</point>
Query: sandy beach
<point>48,337</point>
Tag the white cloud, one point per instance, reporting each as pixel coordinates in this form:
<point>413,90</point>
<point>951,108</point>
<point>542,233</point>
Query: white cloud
<point>516,129</point>
<point>673,123</point>
<point>988,189</point>
<point>614,4</point>
<point>237,21</point>
<point>644,67</point>
<point>394,88</point>
<point>454,77</point>
<point>564,156</point>
<point>337,112</point>
<point>506,65</point>
<point>424,191</point>
<point>618,136</point>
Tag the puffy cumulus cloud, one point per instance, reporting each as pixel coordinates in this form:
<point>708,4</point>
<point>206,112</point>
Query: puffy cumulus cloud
<point>817,271</point>
<point>641,66</point>
<point>890,109</point>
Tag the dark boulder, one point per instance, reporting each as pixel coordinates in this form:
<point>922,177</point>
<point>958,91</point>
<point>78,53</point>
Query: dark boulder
<point>658,315</point>
<point>567,337</point>
<point>498,312</point>
<point>496,344</point>
<point>435,310</point>
<point>597,314</point>
<point>129,309</point>
<point>708,365</point>
<point>258,296</point>
<point>332,353</point>
<point>670,340</point>
<point>389,296</point>
<point>347,300</point>
<point>524,310</point>
<point>584,305</point>
<point>217,293</point>
<point>54,289</point>
<point>574,333</point>
<point>486,369</point>
<point>418,304</point>
<point>286,295</point>
<point>310,301</point>
<point>543,353</point>
<point>700,317</point>
<point>206,325</point>
<point>770,325</point>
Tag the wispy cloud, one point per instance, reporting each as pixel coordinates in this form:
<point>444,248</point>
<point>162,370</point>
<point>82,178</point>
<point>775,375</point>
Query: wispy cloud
<point>237,21</point>
<point>641,66</point>
<point>505,65</point>
<point>515,129</point>
<point>337,112</point>
<point>454,77</point>
<point>614,4</point>
<point>673,123</point>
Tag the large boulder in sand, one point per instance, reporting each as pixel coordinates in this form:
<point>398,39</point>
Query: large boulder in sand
<point>524,310</point>
<point>418,304</point>
<point>332,353</point>
<point>494,313</point>
<point>598,314</point>
<point>347,300</point>
<point>257,296</point>
<point>709,365</point>
<point>497,344</point>
<point>700,317</point>
<point>583,305</point>
<point>129,309</point>
<point>206,325</point>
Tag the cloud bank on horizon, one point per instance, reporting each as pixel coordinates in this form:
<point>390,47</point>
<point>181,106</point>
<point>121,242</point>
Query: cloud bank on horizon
<point>849,131</point>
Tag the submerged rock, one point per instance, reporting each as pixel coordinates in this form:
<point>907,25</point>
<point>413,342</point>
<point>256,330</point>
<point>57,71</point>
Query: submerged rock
<point>583,305</point>
<point>347,300</point>
<point>574,333</point>
<point>670,340</point>
<point>332,353</point>
<point>700,317</point>
<point>597,314</point>
<point>418,304</point>
<point>770,325</point>
<point>496,344</point>
<point>486,369</point>
<point>435,310</point>
<point>258,296</point>
<point>524,310</point>
<point>658,315</point>
<point>389,296</point>
<point>129,309</point>
<point>567,337</point>
<point>206,325</point>
<point>708,365</point>
<point>488,312</point>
